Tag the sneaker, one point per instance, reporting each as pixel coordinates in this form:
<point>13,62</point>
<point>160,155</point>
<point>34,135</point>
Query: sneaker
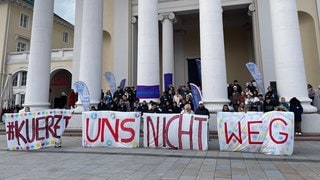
<point>57,146</point>
<point>296,133</point>
<point>299,133</point>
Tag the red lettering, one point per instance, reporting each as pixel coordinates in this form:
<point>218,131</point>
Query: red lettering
<point>228,139</point>
<point>126,129</point>
<point>18,128</point>
<point>39,129</point>
<point>49,124</point>
<point>250,141</point>
<point>164,133</point>
<point>282,133</point>
<point>154,131</point>
<point>181,132</point>
<point>67,119</point>
<point>200,130</point>
<point>88,129</point>
<point>32,132</point>
<point>114,132</point>
<point>56,125</point>
<point>176,117</point>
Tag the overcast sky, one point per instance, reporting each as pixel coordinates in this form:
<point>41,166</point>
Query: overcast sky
<point>65,9</point>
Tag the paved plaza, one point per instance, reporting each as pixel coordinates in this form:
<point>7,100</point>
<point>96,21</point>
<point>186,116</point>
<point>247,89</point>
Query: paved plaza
<point>72,161</point>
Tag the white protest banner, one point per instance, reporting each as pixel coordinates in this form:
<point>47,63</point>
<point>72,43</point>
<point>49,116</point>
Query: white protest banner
<point>177,131</point>
<point>111,129</point>
<point>37,129</point>
<point>269,133</point>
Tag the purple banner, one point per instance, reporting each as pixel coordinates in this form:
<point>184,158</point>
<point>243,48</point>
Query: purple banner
<point>196,95</point>
<point>198,63</point>
<point>167,80</point>
<point>148,91</point>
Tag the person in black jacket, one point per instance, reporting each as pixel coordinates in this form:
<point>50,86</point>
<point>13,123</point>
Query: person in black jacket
<point>297,109</point>
<point>202,110</point>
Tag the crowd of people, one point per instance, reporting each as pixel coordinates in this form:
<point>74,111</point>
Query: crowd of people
<point>250,99</point>
<point>170,101</point>
<point>180,101</point>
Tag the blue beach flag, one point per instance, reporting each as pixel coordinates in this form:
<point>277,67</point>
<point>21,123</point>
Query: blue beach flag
<point>111,80</point>
<point>255,73</point>
<point>83,93</point>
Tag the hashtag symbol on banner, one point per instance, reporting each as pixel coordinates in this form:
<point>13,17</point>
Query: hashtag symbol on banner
<point>10,131</point>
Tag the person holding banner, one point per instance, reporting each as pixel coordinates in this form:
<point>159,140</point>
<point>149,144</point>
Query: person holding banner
<point>202,110</point>
<point>225,108</point>
<point>27,109</point>
<point>187,109</point>
<point>268,105</point>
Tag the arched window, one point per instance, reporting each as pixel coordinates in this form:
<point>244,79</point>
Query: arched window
<point>20,79</point>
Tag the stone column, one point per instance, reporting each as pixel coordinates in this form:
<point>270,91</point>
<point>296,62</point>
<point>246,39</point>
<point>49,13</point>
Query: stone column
<point>91,48</point>
<point>148,79</point>
<point>77,42</point>
<point>256,37</point>
<point>289,62</point>
<point>167,49</point>
<point>213,65</point>
<point>37,88</point>
<point>134,50</point>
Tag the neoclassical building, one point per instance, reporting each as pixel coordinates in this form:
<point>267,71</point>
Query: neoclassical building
<point>152,43</point>
<point>145,40</point>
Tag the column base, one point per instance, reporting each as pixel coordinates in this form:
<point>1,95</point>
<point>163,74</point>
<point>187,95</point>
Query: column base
<point>215,105</point>
<point>308,108</point>
<point>79,108</point>
<point>37,106</point>
<point>149,100</point>
<point>306,104</point>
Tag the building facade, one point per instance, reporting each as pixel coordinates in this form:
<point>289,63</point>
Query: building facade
<point>16,19</point>
<point>153,42</point>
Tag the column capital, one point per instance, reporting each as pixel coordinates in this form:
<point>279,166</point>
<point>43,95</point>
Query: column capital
<point>171,16</point>
<point>134,19</point>
<point>252,7</point>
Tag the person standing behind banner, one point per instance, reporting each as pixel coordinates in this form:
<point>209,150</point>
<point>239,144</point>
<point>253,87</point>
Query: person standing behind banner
<point>234,98</point>
<point>311,93</point>
<point>102,106</point>
<point>187,109</point>
<point>268,104</point>
<point>72,99</point>
<point>202,110</point>
<point>283,104</point>
<point>27,109</point>
<point>273,96</point>
<point>225,108</point>
<point>316,100</point>
<point>297,109</point>
<point>63,100</point>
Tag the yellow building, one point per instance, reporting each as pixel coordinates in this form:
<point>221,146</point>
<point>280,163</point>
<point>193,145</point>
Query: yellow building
<point>15,36</point>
